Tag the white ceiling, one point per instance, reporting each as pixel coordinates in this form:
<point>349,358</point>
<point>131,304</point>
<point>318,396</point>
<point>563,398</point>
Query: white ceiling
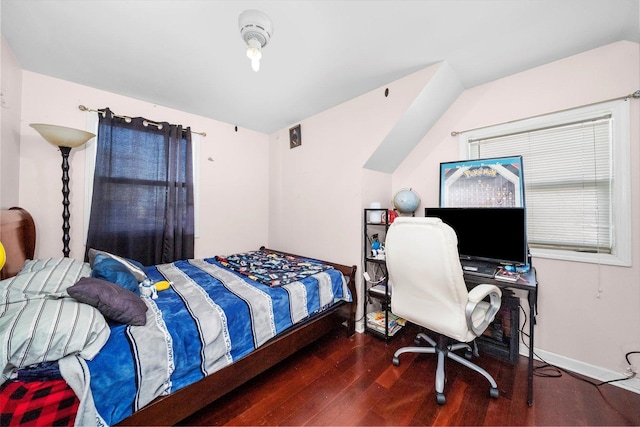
<point>188,55</point>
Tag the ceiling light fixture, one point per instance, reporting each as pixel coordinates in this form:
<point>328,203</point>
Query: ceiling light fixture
<point>256,29</point>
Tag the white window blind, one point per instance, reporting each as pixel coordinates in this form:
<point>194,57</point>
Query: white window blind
<point>577,179</point>
<point>568,179</point>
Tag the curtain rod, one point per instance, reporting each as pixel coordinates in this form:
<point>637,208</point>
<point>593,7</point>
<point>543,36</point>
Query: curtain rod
<point>146,122</point>
<point>635,95</point>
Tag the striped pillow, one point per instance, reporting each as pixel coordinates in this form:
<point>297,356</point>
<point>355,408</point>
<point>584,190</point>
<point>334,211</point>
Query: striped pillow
<point>39,322</point>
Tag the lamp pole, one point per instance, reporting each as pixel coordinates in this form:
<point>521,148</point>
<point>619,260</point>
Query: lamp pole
<point>66,214</point>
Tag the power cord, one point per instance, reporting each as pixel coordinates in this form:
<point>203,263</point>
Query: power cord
<point>372,281</point>
<point>548,370</point>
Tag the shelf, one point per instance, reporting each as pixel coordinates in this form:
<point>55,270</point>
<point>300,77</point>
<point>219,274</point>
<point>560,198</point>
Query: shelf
<point>379,291</point>
<point>376,323</point>
<point>378,299</point>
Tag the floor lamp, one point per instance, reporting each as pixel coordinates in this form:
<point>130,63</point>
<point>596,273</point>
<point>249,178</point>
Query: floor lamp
<point>65,138</point>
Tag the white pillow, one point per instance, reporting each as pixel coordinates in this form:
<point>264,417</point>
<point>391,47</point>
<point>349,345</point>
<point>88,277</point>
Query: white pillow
<point>137,272</point>
<point>39,322</point>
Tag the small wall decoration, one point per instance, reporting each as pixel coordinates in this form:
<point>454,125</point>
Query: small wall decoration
<point>497,182</point>
<point>295,137</point>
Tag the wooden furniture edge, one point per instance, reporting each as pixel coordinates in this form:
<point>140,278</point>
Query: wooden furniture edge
<point>18,236</point>
<point>168,410</point>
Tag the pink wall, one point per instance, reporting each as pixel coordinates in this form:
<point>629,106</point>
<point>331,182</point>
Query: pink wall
<point>234,185</point>
<point>318,190</point>
<point>10,105</point>
<point>573,322</point>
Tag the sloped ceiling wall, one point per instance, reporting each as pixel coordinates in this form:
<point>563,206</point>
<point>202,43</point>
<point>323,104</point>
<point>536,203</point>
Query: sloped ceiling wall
<point>440,91</point>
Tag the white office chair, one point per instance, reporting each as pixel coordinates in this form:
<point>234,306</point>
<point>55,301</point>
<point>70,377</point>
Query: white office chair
<point>428,289</point>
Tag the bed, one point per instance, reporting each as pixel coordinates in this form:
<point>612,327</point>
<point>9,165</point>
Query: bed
<point>163,371</point>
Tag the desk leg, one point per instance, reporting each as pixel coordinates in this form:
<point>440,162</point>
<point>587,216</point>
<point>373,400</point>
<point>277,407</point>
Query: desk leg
<point>532,297</point>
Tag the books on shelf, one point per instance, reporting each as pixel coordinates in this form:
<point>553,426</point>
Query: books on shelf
<point>375,320</point>
<point>391,332</point>
<point>506,276</point>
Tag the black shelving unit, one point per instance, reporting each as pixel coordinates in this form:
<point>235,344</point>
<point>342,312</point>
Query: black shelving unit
<point>377,302</point>
<point>501,339</point>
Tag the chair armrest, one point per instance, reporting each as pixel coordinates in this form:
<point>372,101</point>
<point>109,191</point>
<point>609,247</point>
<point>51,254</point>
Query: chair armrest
<point>476,297</point>
<point>480,292</point>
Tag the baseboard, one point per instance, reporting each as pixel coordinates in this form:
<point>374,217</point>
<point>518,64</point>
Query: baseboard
<point>591,371</point>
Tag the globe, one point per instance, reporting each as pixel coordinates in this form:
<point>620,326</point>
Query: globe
<point>406,201</point>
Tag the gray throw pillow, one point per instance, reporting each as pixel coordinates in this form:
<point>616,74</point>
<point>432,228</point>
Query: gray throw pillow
<point>113,301</point>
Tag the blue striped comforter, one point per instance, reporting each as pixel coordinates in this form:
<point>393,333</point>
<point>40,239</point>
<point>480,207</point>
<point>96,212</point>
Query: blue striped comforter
<point>209,317</point>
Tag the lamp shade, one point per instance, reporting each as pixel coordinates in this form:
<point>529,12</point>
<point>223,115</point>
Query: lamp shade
<point>62,136</point>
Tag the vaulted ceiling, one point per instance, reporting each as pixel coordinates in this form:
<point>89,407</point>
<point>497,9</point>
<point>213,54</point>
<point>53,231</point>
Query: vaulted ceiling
<point>189,55</point>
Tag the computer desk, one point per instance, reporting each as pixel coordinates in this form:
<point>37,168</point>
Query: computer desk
<point>529,284</point>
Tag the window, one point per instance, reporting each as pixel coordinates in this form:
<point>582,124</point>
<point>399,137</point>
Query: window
<point>577,179</point>
<point>142,199</point>
<point>90,162</point>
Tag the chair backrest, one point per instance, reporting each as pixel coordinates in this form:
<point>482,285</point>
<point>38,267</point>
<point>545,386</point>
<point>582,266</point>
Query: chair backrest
<point>427,282</point>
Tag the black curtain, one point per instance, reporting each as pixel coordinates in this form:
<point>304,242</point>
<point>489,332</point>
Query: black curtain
<point>142,205</point>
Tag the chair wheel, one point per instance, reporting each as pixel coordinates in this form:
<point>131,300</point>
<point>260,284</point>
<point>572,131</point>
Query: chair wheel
<point>396,361</point>
<point>494,393</point>
<point>440,399</point>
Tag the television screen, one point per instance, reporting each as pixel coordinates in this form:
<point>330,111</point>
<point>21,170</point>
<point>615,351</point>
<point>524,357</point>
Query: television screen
<point>497,235</point>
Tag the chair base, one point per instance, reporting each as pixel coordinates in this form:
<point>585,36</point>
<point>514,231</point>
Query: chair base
<point>443,349</point>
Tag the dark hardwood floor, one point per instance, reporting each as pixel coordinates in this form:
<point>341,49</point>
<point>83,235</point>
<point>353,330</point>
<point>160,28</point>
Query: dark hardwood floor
<point>341,381</point>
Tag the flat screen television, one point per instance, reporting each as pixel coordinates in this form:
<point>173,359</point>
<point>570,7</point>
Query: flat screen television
<point>494,235</point>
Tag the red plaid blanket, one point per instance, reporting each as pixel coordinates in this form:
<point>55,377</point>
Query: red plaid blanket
<point>38,403</point>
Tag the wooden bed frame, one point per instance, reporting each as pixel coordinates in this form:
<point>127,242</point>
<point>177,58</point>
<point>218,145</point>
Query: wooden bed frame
<point>18,236</point>
<point>17,233</point>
